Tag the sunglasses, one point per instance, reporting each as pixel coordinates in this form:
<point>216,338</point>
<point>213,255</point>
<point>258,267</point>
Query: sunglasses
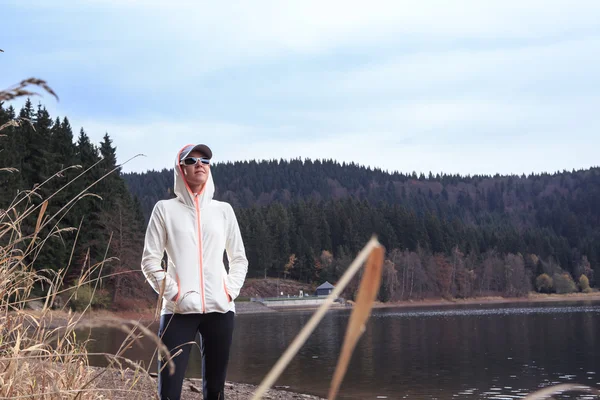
<point>195,160</point>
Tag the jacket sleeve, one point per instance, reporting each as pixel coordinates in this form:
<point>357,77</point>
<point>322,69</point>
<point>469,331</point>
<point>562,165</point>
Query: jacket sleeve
<point>236,254</point>
<point>154,248</point>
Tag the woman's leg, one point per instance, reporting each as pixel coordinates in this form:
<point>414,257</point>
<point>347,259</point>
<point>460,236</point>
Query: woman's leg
<point>216,331</point>
<point>175,330</point>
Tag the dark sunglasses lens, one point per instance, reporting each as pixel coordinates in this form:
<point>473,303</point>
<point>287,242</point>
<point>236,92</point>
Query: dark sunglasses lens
<point>189,161</point>
<point>205,161</point>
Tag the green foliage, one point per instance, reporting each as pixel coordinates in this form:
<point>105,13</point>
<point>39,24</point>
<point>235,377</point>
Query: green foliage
<point>544,283</point>
<point>563,283</point>
<point>38,153</point>
<point>584,284</point>
<point>85,295</point>
<point>303,207</point>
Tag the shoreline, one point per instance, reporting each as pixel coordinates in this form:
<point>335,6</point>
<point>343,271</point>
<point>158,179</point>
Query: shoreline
<point>58,318</point>
<point>128,384</point>
<point>531,298</point>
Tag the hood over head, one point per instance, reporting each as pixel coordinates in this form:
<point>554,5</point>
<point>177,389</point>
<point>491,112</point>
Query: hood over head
<point>183,191</point>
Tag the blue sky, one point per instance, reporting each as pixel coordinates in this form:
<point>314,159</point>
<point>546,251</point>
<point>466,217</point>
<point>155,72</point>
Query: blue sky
<point>455,86</point>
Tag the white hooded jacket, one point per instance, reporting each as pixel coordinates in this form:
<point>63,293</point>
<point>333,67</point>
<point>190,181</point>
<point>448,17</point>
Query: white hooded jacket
<point>194,230</point>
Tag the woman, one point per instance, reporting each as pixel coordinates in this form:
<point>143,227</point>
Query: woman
<point>198,292</point>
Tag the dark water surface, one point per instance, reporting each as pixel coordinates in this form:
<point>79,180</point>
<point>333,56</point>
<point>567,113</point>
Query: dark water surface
<point>450,352</point>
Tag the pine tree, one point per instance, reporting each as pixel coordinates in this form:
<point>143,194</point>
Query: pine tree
<point>89,211</point>
<point>9,158</point>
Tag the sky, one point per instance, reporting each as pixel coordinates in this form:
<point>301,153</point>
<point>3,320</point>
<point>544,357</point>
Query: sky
<point>453,86</point>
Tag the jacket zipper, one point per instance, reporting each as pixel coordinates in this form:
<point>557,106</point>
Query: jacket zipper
<point>200,253</point>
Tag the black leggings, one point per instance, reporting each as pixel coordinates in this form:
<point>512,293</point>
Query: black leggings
<point>216,331</point>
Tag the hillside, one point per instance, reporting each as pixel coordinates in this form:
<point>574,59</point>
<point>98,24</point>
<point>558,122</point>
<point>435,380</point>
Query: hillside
<point>306,208</point>
<point>271,287</point>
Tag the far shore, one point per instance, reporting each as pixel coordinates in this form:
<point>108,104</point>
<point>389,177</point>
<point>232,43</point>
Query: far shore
<point>61,318</point>
<point>532,298</point>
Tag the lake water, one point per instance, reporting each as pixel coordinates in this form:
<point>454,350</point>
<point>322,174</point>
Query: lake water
<point>449,352</point>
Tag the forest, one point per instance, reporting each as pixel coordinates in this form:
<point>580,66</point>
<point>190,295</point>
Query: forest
<point>445,235</point>
<point>94,227</point>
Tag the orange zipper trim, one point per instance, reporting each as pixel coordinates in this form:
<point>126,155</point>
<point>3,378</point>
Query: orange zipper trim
<point>195,196</point>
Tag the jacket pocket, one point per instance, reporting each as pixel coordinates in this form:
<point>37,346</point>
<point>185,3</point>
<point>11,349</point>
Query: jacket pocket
<point>227,297</point>
<point>172,289</point>
<point>188,302</point>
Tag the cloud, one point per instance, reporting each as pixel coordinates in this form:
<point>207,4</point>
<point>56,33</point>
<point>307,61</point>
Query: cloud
<point>160,140</point>
<point>470,137</point>
<point>506,156</point>
<point>275,22</point>
<point>457,86</point>
<point>219,34</point>
<point>523,70</point>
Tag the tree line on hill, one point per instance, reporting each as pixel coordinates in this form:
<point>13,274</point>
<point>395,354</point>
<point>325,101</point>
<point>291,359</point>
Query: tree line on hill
<point>445,235</point>
<point>292,212</point>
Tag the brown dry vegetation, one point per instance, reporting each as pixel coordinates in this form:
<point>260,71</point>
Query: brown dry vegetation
<point>37,360</point>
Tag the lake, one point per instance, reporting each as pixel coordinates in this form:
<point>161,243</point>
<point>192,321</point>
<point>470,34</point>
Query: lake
<point>447,352</point>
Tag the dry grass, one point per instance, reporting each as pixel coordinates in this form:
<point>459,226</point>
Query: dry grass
<point>22,89</point>
<point>38,360</point>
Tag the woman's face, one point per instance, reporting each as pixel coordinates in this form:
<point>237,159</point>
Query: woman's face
<point>197,174</point>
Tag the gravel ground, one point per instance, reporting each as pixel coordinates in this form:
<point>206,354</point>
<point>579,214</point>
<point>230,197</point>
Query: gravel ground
<point>128,385</point>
